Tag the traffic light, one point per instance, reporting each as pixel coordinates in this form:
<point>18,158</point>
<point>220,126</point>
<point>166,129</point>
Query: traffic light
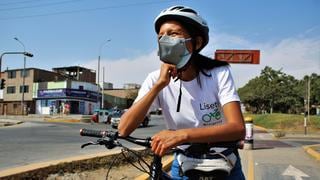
<point>3,84</point>
<point>28,54</point>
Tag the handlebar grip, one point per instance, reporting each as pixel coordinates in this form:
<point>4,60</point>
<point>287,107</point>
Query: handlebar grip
<point>93,133</point>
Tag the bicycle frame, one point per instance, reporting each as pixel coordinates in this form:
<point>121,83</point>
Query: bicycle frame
<point>155,172</point>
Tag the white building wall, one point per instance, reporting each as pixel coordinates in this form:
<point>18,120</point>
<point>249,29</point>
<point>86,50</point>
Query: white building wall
<point>86,86</point>
<point>41,110</point>
<point>88,106</point>
<point>1,94</point>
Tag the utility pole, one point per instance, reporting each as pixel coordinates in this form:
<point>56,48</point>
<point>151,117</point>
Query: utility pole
<point>24,53</point>
<point>23,107</point>
<point>307,106</point>
<point>98,99</point>
<point>98,82</point>
<point>102,98</point>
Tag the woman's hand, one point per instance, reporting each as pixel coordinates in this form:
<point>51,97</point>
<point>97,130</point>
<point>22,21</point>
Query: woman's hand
<point>167,139</point>
<point>166,72</point>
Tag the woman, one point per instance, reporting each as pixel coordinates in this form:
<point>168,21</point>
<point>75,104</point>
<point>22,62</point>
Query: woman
<point>197,94</point>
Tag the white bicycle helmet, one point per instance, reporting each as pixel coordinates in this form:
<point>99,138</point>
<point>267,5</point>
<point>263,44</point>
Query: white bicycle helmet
<point>187,16</point>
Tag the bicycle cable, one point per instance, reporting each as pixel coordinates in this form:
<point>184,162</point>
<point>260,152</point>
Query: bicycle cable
<point>141,162</point>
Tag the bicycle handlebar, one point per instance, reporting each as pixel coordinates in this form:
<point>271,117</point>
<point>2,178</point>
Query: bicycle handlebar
<point>114,136</point>
<point>146,142</point>
<point>108,138</point>
<point>94,133</point>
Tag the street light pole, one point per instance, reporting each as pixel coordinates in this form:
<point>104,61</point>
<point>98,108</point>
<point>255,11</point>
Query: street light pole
<point>102,98</point>
<point>98,82</point>
<point>24,53</point>
<point>23,77</point>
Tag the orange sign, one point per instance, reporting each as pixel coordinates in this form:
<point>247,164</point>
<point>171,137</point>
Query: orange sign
<point>238,56</point>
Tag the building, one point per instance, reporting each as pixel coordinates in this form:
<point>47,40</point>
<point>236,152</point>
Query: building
<point>121,98</point>
<point>131,86</point>
<point>106,85</point>
<point>77,73</point>
<point>47,92</point>
<point>65,97</point>
<point>64,90</point>
<point>14,93</point>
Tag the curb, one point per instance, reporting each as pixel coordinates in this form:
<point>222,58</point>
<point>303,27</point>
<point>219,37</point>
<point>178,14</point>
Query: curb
<point>41,169</point>
<point>6,123</point>
<point>261,128</point>
<point>63,120</point>
<point>310,150</point>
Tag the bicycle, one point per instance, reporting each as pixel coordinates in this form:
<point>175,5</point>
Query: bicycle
<point>110,140</point>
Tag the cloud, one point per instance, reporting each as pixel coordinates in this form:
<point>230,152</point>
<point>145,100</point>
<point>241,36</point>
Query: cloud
<point>121,71</point>
<point>296,56</point>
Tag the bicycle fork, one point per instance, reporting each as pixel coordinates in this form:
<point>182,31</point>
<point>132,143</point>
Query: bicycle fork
<point>156,168</point>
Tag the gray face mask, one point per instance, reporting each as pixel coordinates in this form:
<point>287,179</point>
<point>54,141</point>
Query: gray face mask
<point>173,50</point>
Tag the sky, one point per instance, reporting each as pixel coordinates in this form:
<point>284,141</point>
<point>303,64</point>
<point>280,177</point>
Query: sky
<point>64,33</point>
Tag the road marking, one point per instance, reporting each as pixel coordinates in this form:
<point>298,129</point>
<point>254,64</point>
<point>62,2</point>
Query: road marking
<point>296,173</point>
<point>250,166</point>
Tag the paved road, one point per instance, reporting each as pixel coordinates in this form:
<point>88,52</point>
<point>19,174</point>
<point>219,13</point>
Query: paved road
<point>36,141</point>
<point>31,142</point>
<point>280,159</point>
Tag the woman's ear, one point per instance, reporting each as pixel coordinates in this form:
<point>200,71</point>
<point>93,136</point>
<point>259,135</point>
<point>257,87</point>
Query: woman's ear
<point>199,42</point>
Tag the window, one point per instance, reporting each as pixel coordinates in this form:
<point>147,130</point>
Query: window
<point>44,103</point>
<point>11,89</point>
<point>81,87</point>
<point>26,72</point>
<point>11,74</point>
<point>26,89</point>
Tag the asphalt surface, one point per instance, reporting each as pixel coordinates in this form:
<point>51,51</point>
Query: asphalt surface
<point>307,142</point>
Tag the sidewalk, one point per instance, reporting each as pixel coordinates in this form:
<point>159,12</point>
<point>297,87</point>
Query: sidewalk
<point>72,118</point>
<point>9,122</point>
<point>312,150</point>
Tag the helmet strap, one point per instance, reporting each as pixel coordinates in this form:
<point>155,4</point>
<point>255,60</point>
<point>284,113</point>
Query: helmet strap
<point>179,98</point>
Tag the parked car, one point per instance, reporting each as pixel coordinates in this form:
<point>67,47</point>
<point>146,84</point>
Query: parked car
<point>146,121</point>
<point>115,120</point>
<point>101,116</point>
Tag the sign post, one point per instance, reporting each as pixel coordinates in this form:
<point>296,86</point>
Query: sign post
<point>241,57</point>
<point>238,56</point>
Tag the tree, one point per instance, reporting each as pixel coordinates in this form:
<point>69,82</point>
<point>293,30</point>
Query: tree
<point>272,91</point>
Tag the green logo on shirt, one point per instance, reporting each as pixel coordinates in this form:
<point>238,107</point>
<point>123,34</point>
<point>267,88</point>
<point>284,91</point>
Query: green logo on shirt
<point>212,117</point>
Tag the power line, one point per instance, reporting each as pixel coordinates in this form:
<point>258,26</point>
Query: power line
<point>18,2</point>
<point>39,5</point>
<point>87,10</point>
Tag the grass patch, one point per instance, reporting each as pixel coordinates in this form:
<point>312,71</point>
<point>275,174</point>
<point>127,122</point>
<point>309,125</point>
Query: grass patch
<point>287,122</point>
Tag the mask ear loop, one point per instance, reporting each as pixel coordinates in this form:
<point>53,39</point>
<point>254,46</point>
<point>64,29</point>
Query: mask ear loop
<point>179,98</point>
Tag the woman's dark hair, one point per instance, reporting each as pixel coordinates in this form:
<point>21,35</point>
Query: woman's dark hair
<point>200,62</point>
<point>203,64</point>
<point>193,32</point>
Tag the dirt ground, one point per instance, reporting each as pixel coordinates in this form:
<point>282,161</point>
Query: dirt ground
<point>122,172</point>
<point>116,173</point>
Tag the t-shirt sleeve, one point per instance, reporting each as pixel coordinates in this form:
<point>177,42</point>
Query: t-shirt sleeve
<point>145,88</point>
<point>226,88</point>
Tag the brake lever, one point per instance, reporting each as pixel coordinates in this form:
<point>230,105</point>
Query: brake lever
<point>88,144</point>
<point>108,143</point>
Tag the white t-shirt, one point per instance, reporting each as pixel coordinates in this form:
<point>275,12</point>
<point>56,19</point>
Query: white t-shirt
<point>200,106</point>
